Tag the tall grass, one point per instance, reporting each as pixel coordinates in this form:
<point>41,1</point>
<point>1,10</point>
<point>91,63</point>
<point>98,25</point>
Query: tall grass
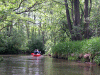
<point>91,46</point>
<point>67,47</point>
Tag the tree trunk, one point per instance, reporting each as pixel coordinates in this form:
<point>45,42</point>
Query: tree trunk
<point>86,25</point>
<point>43,37</point>
<point>27,27</point>
<point>7,30</point>
<point>68,16</point>
<point>68,19</point>
<point>35,35</point>
<point>77,31</point>
<point>39,30</point>
<point>72,3</point>
<point>90,7</point>
<point>77,13</point>
<point>11,27</point>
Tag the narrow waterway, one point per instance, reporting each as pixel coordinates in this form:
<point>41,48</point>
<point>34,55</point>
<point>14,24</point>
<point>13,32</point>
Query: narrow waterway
<point>29,65</point>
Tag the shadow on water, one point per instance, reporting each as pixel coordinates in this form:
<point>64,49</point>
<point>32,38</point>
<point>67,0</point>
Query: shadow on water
<point>29,65</point>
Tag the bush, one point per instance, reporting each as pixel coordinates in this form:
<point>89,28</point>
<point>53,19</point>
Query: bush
<point>37,44</point>
<point>11,44</point>
<point>60,48</point>
<point>48,45</point>
<point>97,60</point>
<point>68,47</point>
<point>75,46</point>
<point>92,46</point>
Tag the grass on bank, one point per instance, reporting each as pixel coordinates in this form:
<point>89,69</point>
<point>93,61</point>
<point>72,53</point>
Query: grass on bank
<point>91,46</point>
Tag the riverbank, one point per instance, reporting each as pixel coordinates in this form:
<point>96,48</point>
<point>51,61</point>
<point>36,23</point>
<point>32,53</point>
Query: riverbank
<point>74,59</point>
<point>84,51</point>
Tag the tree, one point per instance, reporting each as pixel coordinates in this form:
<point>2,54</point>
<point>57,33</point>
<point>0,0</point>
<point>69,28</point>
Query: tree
<point>75,24</point>
<point>87,32</point>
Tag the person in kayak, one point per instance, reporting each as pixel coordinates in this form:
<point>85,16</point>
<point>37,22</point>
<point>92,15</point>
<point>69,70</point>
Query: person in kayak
<point>35,51</point>
<point>38,52</point>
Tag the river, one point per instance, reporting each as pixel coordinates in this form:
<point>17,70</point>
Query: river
<point>44,65</point>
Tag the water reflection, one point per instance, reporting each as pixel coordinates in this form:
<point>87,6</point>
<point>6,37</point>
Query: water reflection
<point>29,65</point>
<point>38,65</point>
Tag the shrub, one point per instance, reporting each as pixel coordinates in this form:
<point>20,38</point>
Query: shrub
<point>92,46</point>
<point>11,44</point>
<point>97,60</point>
<point>68,47</point>
<point>48,46</point>
<point>37,44</point>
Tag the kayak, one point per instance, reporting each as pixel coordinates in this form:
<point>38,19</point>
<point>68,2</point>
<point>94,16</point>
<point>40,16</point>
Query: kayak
<point>35,54</point>
<point>32,53</point>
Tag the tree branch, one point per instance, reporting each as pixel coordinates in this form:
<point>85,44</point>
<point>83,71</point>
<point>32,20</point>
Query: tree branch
<point>19,5</point>
<point>28,11</point>
<point>2,28</point>
<point>29,8</point>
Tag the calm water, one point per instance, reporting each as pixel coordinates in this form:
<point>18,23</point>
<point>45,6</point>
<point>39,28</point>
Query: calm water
<point>29,65</point>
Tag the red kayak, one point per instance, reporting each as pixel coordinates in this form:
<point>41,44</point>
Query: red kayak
<point>35,54</point>
<point>32,53</point>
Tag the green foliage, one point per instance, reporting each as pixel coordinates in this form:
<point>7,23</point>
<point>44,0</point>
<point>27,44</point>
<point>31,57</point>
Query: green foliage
<point>36,44</point>
<point>2,42</point>
<point>52,16</point>
<point>97,60</point>
<point>68,47</point>
<point>48,46</point>
<point>86,46</point>
<point>91,46</point>
<point>59,48</point>
<point>72,58</point>
<point>11,44</point>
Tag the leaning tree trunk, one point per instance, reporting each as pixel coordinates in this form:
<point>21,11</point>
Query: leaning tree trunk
<point>68,19</point>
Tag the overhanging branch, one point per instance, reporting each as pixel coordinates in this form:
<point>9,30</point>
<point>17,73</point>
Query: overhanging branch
<point>29,8</point>
<point>19,5</point>
<point>28,11</point>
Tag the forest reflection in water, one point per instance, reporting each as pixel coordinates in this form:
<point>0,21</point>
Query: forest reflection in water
<point>43,65</point>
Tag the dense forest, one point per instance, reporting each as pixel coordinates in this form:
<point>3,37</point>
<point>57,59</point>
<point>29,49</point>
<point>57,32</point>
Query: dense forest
<point>56,27</point>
